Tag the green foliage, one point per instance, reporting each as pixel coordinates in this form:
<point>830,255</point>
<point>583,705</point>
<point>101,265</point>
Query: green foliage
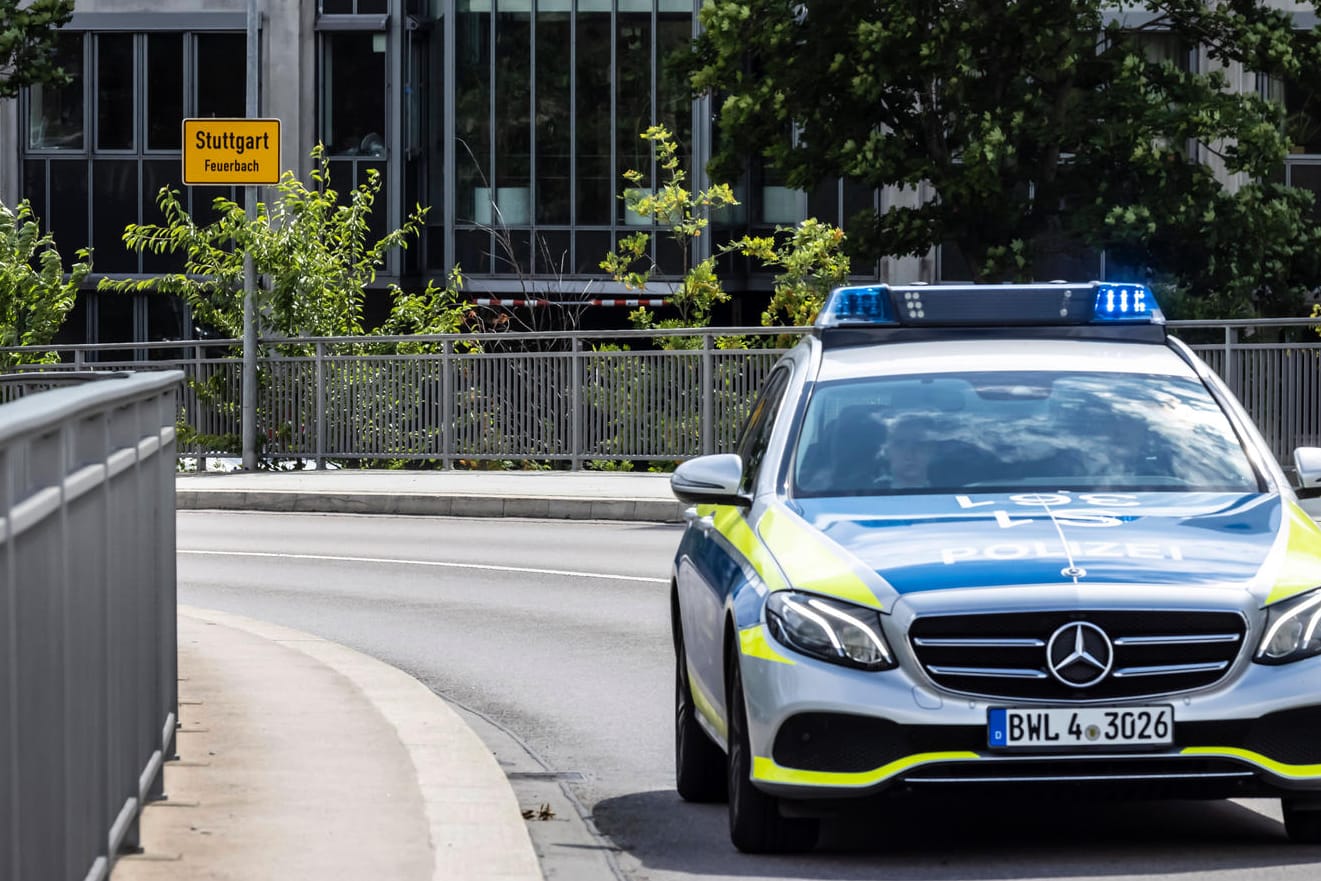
<point>1041,129</point>
<point>683,213</point>
<point>810,261</point>
<point>314,252</point>
<point>610,465</point>
<point>316,257</point>
<point>28,33</point>
<point>35,293</point>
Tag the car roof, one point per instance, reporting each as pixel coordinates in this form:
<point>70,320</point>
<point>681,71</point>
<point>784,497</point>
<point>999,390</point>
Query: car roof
<point>960,356</point>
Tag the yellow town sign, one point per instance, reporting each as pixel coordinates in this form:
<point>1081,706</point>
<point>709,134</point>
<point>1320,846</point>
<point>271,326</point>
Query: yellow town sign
<point>241,152</point>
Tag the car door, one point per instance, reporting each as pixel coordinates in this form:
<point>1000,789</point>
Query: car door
<point>711,565</point>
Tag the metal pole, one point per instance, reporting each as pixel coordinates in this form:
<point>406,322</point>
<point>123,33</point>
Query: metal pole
<point>320,406</point>
<point>707,430</point>
<point>250,274</point>
<point>575,406</point>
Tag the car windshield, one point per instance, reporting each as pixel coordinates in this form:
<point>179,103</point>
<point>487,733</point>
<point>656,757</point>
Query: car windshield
<point>1008,431</point>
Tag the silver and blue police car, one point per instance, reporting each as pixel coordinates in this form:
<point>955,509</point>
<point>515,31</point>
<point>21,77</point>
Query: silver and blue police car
<point>987,536</point>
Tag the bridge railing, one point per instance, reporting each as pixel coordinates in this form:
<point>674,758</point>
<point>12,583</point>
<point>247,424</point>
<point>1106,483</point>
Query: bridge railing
<point>88,676</point>
<point>584,396</point>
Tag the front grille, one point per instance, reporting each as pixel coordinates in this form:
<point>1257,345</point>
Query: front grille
<point>1003,655</point>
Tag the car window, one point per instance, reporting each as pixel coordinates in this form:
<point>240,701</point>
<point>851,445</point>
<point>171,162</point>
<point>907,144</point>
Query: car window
<point>1006,431</point>
<point>757,431</point>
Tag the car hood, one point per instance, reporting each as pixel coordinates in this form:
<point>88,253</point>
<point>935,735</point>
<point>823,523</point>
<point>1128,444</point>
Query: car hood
<point>933,542</point>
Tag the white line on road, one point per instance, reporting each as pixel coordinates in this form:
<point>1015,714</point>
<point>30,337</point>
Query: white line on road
<point>565,572</point>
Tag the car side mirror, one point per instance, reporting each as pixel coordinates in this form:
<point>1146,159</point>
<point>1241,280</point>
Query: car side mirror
<point>710,480</point>
<point>1307,467</point>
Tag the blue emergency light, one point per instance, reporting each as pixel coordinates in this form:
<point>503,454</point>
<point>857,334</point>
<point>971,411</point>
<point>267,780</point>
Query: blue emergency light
<point>1123,302</point>
<point>973,305</point>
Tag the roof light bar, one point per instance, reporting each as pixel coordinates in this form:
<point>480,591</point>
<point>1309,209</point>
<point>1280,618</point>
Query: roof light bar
<point>974,305</point>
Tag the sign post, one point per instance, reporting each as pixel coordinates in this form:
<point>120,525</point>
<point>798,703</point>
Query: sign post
<point>239,152</point>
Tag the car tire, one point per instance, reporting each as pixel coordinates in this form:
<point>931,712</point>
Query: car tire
<point>699,764</point>
<point>1302,821</point>
<point>755,823</point>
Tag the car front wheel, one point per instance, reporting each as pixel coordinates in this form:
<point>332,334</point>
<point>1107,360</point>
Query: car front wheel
<point>755,823</point>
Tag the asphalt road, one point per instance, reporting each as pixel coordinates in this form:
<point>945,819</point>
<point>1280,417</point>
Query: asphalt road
<point>554,638</point>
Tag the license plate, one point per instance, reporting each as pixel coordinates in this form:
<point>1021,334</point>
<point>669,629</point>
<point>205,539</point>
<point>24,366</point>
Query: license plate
<point>1083,726</point>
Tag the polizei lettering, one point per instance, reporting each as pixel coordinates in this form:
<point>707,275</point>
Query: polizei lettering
<point>232,141</point>
<point>1079,550</point>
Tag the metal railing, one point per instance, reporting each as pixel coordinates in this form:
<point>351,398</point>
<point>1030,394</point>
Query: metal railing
<point>579,397</point>
<point>88,681</point>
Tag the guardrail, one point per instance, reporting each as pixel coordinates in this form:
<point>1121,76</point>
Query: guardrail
<point>584,396</point>
<point>88,685</point>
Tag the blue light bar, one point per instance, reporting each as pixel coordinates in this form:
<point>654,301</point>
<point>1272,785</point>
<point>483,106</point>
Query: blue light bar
<point>857,305</point>
<point>1035,304</point>
<point>1124,302</point>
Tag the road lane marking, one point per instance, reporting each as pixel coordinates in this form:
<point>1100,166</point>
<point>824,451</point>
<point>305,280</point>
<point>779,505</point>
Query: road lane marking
<point>565,572</point>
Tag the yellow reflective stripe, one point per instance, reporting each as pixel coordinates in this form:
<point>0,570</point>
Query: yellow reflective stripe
<point>765,769</point>
<point>705,705</point>
<point>1232,752</point>
<point>811,562</point>
<point>1299,567</point>
<point>729,522</point>
<point>754,643</point>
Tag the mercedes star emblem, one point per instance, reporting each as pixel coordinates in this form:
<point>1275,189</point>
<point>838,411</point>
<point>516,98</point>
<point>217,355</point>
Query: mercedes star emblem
<point>1079,654</point>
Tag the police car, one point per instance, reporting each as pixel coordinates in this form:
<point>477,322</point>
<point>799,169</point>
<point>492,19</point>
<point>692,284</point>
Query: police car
<point>986,536</point>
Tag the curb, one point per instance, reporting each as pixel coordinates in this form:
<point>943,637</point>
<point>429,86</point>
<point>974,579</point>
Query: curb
<point>476,826</point>
<point>429,504</point>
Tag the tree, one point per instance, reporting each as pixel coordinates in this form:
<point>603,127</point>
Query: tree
<point>35,292</point>
<point>1042,128</point>
<point>315,253</point>
<point>28,32</point>
<point>684,215</point>
<point>317,258</point>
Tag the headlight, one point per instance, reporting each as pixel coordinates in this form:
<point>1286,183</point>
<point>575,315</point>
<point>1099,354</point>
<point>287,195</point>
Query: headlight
<point>829,629</point>
<point>1293,630</point>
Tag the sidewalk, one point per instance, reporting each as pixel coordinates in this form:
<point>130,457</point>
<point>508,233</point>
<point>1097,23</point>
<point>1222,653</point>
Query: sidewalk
<point>302,759</point>
<point>565,495</point>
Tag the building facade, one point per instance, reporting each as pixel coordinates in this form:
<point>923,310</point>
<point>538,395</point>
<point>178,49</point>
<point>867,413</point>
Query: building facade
<point>513,120</point>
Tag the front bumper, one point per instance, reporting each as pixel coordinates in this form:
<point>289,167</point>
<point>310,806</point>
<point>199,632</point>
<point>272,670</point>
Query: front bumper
<point>821,731</point>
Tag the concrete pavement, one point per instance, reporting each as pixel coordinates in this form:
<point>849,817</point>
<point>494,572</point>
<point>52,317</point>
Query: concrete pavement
<point>299,758</point>
<point>566,495</point>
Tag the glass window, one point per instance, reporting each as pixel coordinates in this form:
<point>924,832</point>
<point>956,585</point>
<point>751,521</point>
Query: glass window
<point>66,212</point>
<point>596,188</point>
<point>1302,124</point>
<point>632,95</point>
<point>1005,432</point>
<point>761,422</point>
<point>1307,176</point>
<point>472,113</point>
<point>674,34</point>
<point>353,93</point>
<point>164,91</point>
<point>554,112</point>
<point>55,113</point>
<point>34,188</point>
<point>114,92</point>
<point>513,108</point>
<point>114,206</point>
<point>158,173</point>
<point>222,70</point>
